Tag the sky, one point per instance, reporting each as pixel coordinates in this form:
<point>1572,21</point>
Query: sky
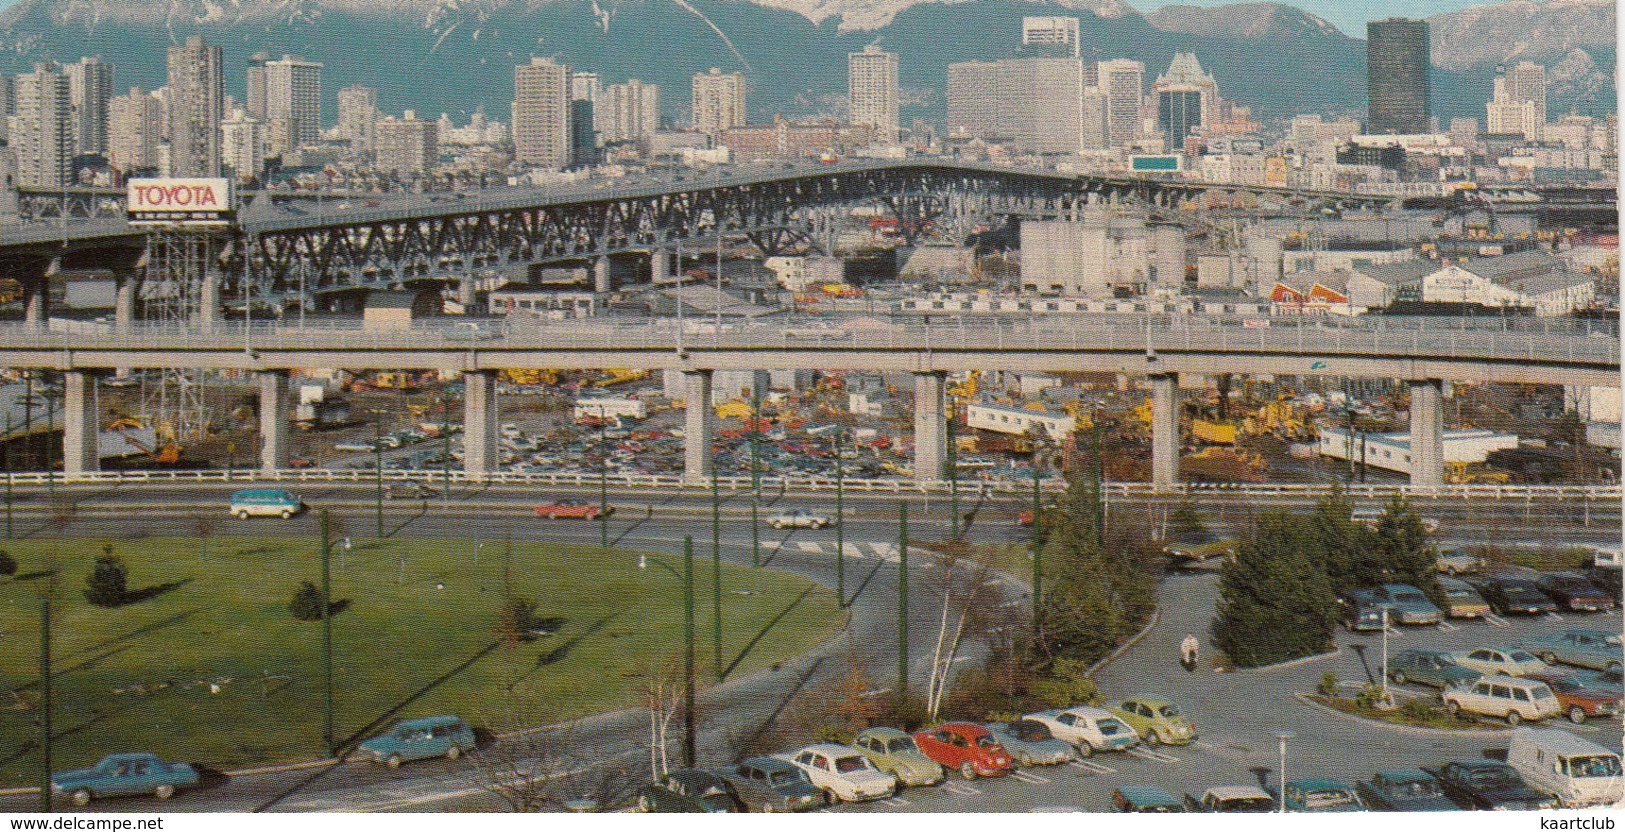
<point>1348,15</point>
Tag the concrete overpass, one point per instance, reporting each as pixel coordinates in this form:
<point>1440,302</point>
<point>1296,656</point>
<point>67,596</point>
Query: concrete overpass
<point>1423,352</point>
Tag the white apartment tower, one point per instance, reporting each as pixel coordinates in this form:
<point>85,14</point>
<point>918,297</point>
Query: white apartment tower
<point>1059,34</point>
<point>195,94</point>
<point>293,90</point>
<point>408,145</point>
<point>242,144</point>
<point>43,134</point>
<point>1123,81</point>
<point>135,129</point>
<point>90,89</point>
<point>871,81</point>
<point>1519,102</point>
<point>719,101</point>
<point>256,84</point>
<point>541,113</point>
<point>358,117</point>
<point>630,112</point>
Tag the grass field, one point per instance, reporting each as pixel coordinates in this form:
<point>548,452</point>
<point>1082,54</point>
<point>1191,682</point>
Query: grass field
<point>215,670</point>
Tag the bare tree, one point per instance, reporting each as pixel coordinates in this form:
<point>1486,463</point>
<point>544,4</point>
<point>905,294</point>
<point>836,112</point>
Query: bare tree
<point>964,589</point>
<point>534,769</point>
<point>663,696</point>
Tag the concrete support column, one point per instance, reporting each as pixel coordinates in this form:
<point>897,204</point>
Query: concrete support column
<point>273,420</point>
<point>699,421</point>
<point>37,294</point>
<point>930,426</point>
<point>208,305</point>
<point>479,422</point>
<point>1164,431</point>
<point>600,275</point>
<point>465,291</point>
<point>80,433</point>
<point>1427,432</point>
<point>659,266</point>
<point>127,283</point>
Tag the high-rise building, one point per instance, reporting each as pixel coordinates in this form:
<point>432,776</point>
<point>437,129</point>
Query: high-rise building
<point>1526,81</point>
<point>585,86</point>
<point>718,101</point>
<point>1123,81</point>
<point>1519,103</point>
<point>583,138</point>
<point>1034,103</point>
<point>242,145</point>
<point>358,117</point>
<point>256,85</point>
<point>42,138</point>
<point>871,82</point>
<point>631,112</point>
<point>1178,111</point>
<point>541,113</point>
<point>135,129</point>
<point>293,90</point>
<point>1397,76</point>
<point>1175,116</point>
<point>1050,37</point>
<point>973,98</point>
<point>195,95</point>
<point>408,145</point>
<point>282,137</point>
<point>1093,119</point>
<point>90,89</point>
<point>8,96</point>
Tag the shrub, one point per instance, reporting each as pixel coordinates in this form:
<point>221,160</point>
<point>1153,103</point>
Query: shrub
<point>307,603</point>
<point>8,564</point>
<point>106,585</point>
<point>1420,708</point>
<point>1328,684</point>
<point>1369,696</point>
<point>1067,684</point>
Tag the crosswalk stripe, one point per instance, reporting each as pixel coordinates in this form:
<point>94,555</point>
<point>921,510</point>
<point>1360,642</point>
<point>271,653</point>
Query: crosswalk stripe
<point>1091,766</point>
<point>852,550</point>
<point>809,547</point>
<point>882,549</point>
<point>772,544</point>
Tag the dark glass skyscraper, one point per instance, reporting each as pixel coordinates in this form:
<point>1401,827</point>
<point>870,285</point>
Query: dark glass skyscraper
<point>1177,112</point>
<point>1397,76</point>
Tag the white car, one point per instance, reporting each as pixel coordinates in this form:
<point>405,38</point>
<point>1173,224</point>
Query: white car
<point>1509,697</point>
<point>842,772</point>
<point>798,519</point>
<point>1090,729</point>
<point>356,447</point>
<point>1504,660</point>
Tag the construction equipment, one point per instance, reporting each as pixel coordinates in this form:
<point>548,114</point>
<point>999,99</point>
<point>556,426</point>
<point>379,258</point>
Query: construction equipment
<point>620,375</point>
<point>734,409</point>
<point>530,377</point>
<point>1216,464</point>
<point>1283,419</point>
<point>1217,433</point>
<point>167,453</point>
<point>968,388</point>
<point>1463,473</point>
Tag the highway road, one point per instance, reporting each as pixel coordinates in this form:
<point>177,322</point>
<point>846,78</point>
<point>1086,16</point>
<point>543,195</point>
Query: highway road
<point>1250,706</point>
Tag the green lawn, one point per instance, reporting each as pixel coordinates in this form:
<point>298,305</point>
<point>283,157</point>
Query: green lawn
<point>138,677</point>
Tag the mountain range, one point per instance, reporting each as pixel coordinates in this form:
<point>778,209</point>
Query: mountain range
<point>457,55</point>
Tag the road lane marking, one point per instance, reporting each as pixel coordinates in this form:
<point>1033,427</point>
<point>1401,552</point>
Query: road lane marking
<point>1153,755</point>
<point>882,549</point>
<point>1092,767</point>
<point>961,789</point>
<point>895,802</point>
<point>852,550</point>
<point>1028,777</point>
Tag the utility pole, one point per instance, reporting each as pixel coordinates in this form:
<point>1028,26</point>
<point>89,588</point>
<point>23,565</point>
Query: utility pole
<point>327,637</point>
<point>716,610</point>
<point>756,472</point>
<point>902,600</point>
<point>688,652</point>
<point>45,703</point>
<point>603,481</point>
<point>445,451</point>
<point>953,474</point>
<point>378,466</point>
<point>840,518</point>
<point>1038,547</point>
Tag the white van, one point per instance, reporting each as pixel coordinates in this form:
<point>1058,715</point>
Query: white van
<point>1580,772</point>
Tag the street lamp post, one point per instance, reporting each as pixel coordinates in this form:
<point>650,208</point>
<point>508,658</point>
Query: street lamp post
<point>378,467</point>
<point>603,480</point>
<point>840,518</point>
<point>953,475</point>
<point>445,450</point>
<point>902,600</point>
<point>756,472</point>
<point>687,577</point>
<point>1280,796</point>
<point>45,703</point>
<point>1385,609</point>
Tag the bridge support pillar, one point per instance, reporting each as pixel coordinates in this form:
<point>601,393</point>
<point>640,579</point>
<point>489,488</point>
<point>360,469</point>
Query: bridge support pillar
<point>127,283</point>
<point>208,305</point>
<point>930,426</point>
<point>601,281</point>
<point>659,266</point>
<point>479,422</point>
<point>1427,432</point>
<point>80,433</point>
<point>37,294</point>
<point>1164,431</point>
<point>698,423</point>
<point>273,420</point>
<point>465,290</point>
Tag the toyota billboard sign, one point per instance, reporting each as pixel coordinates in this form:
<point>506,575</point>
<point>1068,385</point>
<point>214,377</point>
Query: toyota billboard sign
<point>186,202</point>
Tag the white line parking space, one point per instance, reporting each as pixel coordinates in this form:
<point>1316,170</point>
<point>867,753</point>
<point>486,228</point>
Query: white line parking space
<point>1447,627</point>
<point>1092,767</point>
<point>1552,616</point>
<point>1494,620</point>
<point>1029,777</point>
<point>1148,754</point>
<point>961,789</point>
<point>895,802</point>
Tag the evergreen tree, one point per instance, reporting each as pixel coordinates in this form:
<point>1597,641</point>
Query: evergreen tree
<point>1401,546</point>
<point>8,564</point>
<point>1275,603</point>
<point>105,586</point>
<point>1341,547</point>
<point>307,602</point>
<point>1102,590</point>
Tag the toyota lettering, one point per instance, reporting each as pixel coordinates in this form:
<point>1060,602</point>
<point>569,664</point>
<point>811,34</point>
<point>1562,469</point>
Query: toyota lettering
<point>205,202</point>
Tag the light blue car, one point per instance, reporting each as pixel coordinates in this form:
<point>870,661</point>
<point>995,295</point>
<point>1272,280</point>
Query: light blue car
<point>1408,604</point>
<point>1594,649</point>
<point>419,739</point>
<point>124,775</point>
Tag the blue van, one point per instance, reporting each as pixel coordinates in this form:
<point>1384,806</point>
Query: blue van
<point>418,739</point>
<point>265,502</point>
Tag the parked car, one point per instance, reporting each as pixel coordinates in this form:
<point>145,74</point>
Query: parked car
<point>768,784</point>
<point>1488,785</point>
<point>1198,545</point>
<point>1505,660</point>
<point>1456,562</point>
<point>1461,600</point>
<point>1571,591</point>
<point>969,748</point>
<point>577,509</point>
<point>1509,697</point>
<point>1147,799</point>
<point>1030,743</point>
<point>896,753</point>
<point>1156,721</point>
<point>1231,799</point>
<point>1403,790</point>
<point>1507,595</point>
<point>124,775</point>
<point>842,773</point>
<point>1407,604</point>
<point>1088,728</point>
<point>797,519</point>
<point>1429,667</point>
<point>1606,578</point>
<point>1594,649</point>
<point>418,739</point>
<point>1580,703</point>
<point>688,790</point>
<point>1604,680</point>
<point>1360,610</point>
<point>1320,794</point>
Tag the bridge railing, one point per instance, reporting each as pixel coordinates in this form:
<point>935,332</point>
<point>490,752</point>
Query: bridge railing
<point>1016,488</point>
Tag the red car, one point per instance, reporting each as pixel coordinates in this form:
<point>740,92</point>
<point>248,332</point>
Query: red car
<point>570,508</point>
<point>1025,518</point>
<point>969,748</point>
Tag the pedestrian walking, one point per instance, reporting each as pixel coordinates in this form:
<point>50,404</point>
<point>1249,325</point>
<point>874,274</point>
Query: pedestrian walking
<point>1188,650</point>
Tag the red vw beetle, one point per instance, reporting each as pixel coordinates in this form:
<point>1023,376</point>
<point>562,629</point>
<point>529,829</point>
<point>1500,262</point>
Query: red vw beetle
<point>969,748</point>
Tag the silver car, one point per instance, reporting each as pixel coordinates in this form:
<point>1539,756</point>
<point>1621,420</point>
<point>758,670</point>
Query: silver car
<point>798,519</point>
<point>1030,743</point>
